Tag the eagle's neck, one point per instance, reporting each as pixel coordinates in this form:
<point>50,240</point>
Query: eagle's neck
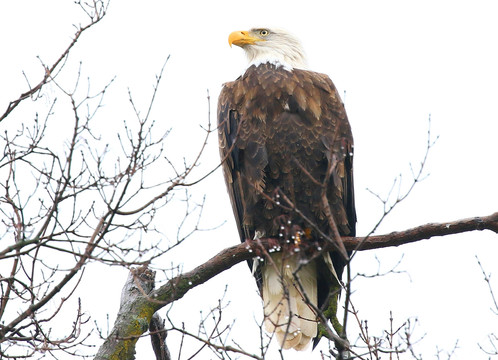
<point>288,56</point>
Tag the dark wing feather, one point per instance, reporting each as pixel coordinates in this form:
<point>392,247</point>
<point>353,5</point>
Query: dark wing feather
<point>242,147</point>
<point>244,157</point>
<point>227,133</point>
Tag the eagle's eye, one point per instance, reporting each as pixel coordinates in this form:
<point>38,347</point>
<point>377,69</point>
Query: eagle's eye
<point>264,32</point>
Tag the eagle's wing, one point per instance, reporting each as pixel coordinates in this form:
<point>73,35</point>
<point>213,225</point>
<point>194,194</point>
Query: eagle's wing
<point>244,158</point>
<point>228,128</point>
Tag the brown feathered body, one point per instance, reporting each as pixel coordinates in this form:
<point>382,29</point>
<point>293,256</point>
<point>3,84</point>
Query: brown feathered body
<point>285,141</point>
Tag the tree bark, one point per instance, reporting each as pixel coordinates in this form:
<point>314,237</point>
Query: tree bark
<point>133,317</point>
<point>158,338</point>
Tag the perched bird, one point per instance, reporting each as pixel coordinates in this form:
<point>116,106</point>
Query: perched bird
<point>287,151</point>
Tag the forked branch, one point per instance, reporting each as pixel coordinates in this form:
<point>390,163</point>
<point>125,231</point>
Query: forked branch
<point>146,305</point>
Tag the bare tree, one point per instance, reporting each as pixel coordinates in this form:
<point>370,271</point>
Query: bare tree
<point>94,201</point>
<point>63,209</point>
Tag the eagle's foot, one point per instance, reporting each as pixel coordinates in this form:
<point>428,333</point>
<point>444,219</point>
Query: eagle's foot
<point>290,233</point>
<point>284,225</point>
<point>254,245</point>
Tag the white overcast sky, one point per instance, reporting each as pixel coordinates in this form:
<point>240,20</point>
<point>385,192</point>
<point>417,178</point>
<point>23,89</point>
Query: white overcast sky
<point>396,61</point>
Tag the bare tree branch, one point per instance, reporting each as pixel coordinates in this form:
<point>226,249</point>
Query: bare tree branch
<point>424,232</point>
<point>144,306</point>
<point>95,12</point>
<point>158,338</point>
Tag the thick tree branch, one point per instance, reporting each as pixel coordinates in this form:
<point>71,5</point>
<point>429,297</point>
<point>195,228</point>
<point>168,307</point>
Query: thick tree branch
<point>142,307</point>
<point>132,321</point>
<point>423,232</point>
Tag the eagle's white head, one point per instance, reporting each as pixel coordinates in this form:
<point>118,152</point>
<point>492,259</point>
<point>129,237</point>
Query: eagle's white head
<point>275,46</point>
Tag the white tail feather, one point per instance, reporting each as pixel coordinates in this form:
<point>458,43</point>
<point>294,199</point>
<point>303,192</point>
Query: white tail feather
<point>292,319</point>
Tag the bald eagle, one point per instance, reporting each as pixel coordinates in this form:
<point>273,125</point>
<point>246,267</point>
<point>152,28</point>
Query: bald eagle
<point>287,152</point>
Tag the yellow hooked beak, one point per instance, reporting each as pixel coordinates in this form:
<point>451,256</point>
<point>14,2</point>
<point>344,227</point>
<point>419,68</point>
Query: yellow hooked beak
<point>242,38</point>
